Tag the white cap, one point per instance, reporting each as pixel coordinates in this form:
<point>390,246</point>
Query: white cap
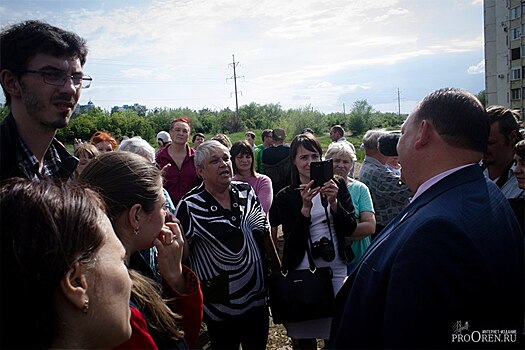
<point>164,136</point>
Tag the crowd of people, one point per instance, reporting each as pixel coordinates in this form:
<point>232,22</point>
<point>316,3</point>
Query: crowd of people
<point>122,245</point>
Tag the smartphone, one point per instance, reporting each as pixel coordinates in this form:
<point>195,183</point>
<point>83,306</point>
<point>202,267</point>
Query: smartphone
<point>321,172</point>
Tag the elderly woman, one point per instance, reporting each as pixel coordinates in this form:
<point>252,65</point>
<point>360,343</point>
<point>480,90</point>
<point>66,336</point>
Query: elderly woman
<point>141,147</point>
<point>228,239</point>
<point>343,158</point>
<point>64,281</point>
<point>308,216</point>
<point>244,170</point>
<point>132,189</point>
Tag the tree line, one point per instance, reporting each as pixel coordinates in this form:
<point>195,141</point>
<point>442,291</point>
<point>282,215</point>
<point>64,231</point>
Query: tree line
<point>253,116</point>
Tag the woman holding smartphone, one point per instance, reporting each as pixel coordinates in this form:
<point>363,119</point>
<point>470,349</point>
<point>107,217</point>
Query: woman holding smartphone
<point>320,219</point>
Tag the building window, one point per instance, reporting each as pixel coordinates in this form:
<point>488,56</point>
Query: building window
<point>515,12</point>
<point>515,73</point>
<point>515,53</point>
<point>515,94</point>
<point>515,33</point>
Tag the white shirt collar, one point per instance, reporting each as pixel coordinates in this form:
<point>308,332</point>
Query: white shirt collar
<point>433,180</point>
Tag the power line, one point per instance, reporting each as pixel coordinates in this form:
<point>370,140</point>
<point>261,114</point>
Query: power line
<point>234,77</point>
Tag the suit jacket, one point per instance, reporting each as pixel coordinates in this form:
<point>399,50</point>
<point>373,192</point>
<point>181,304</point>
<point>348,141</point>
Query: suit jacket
<point>455,254</point>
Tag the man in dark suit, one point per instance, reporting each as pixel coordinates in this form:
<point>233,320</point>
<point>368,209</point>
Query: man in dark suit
<point>448,271</point>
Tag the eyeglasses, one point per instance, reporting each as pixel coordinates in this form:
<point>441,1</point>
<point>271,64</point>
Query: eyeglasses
<point>59,78</point>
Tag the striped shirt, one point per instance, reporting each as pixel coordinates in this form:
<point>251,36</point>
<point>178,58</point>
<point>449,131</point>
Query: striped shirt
<point>225,249</point>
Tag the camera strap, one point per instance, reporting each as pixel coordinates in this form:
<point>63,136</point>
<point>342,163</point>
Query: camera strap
<point>324,202</point>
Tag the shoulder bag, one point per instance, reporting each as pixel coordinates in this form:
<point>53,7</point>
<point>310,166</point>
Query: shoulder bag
<point>301,295</point>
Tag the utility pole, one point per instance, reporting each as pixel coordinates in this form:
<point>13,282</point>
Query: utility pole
<point>398,104</point>
<point>344,112</point>
<point>234,64</point>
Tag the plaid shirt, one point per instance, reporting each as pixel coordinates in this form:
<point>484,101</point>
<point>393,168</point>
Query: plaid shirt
<point>17,160</point>
<point>389,196</point>
<point>30,165</point>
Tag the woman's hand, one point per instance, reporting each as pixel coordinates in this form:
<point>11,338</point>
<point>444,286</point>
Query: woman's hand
<point>307,193</point>
<point>170,246</point>
<point>330,190</point>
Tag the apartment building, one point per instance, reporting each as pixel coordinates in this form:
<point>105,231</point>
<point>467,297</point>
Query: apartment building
<point>504,27</point>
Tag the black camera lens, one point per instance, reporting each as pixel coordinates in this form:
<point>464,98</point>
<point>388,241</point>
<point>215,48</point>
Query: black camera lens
<point>324,248</point>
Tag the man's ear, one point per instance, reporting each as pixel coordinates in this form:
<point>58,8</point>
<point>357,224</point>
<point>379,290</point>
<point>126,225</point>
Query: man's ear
<point>512,137</point>
<point>424,134</point>
<point>10,83</point>
<point>74,286</point>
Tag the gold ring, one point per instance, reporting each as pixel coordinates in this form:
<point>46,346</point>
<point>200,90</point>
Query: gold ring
<point>172,240</point>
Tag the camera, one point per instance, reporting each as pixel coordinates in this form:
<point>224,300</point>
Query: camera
<point>324,248</point>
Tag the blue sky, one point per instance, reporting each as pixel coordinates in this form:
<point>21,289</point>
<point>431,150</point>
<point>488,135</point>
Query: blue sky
<point>318,53</point>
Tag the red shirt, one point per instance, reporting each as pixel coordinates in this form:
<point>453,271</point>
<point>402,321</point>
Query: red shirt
<point>178,181</point>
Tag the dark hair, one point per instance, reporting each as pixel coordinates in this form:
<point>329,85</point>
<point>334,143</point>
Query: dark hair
<point>307,141</point>
<point>197,135</point>
<point>458,117</point>
<point>19,43</point>
<point>265,133</point>
<point>242,147</point>
<point>507,120</point>
<point>123,179</point>
<point>46,229</point>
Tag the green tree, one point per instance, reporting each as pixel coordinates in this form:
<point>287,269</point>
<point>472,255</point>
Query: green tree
<point>296,120</point>
<point>482,97</point>
<point>83,126</point>
<point>360,117</point>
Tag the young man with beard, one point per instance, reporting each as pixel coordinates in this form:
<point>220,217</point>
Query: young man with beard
<point>42,78</point>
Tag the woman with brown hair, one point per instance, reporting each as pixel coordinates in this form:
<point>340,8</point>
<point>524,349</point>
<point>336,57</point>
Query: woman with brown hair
<point>64,281</point>
<point>244,170</point>
<point>132,189</point>
<point>321,217</point>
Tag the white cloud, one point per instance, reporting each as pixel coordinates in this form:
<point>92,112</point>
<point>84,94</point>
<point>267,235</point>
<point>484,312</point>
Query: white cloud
<point>178,51</point>
<point>136,73</point>
<point>477,68</point>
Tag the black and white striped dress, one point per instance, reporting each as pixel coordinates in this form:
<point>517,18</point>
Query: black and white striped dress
<point>224,251</point>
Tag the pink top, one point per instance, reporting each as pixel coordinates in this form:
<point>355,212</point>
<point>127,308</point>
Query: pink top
<point>262,186</point>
